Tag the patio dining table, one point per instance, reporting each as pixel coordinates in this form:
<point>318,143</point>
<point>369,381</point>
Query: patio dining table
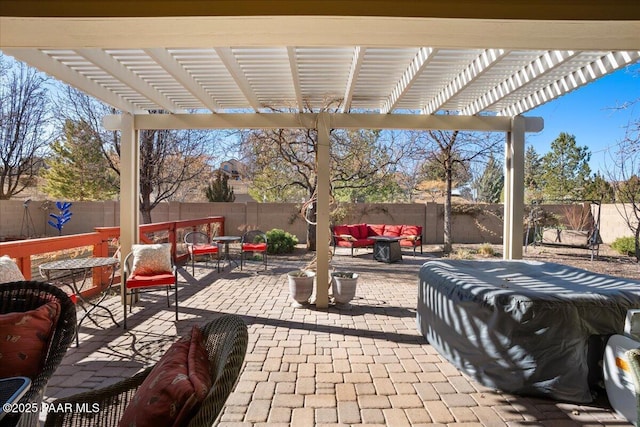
<point>56,271</point>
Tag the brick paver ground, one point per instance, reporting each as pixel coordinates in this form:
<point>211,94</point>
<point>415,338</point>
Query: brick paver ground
<point>363,365</point>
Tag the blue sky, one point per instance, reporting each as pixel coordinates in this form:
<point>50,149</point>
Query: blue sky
<point>590,114</point>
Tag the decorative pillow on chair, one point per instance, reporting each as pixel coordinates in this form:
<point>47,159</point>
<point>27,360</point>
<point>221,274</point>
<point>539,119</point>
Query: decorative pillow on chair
<point>24,340</point>
<point>151,259</point>
<point>9,271</point>
<point>174,389</point>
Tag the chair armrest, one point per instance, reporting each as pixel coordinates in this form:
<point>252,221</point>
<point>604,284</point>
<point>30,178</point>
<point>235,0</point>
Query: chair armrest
<point>103,407</point>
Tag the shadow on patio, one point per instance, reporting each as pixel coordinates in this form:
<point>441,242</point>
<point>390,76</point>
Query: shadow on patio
<point>364,365</point>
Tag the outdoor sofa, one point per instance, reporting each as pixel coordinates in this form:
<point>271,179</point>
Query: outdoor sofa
<point>359,235</point>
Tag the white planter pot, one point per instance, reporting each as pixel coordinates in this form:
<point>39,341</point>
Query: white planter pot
<point>344,288</point>
<point>301,286</point>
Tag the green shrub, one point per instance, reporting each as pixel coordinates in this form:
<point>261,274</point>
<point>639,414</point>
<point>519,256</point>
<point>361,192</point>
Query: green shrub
<point>625,245</point>
<point>280,241</point>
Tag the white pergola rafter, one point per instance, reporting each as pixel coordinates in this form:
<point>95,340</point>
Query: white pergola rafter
<point>235,70</point>
<point>408,78</point>
<point>598,68</point>
<point>177,71</point>
<point>295,76</point>
<point>535,69</point>
<point>477,67</point>
<point>356,64</point>
<point>65,74</point>
<point>126,76</point>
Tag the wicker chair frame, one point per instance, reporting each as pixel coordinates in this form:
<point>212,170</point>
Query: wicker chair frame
<point>28,295</point>
<point>225,339</point>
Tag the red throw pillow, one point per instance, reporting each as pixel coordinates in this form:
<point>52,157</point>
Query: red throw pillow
<point>24,340</point>
<point>354,230</point>
<point>392,230</point>
<point>174,389</point>
<point>376,229</point>
<point>339,230</point>
<point>411,230</point>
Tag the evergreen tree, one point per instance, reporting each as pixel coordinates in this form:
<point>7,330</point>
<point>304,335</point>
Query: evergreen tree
<point>532,174</point>
<point>219,190</point>
<point>566,169</point>
<point>491,183</point>
<point>600,189</point>
<point>77,170</point>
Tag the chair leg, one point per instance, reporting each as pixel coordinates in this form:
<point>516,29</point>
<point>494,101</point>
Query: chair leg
<point>193,265</point>
<point>265,260</point>
<point>168,300</point>
<point>176,296</point>
<point>241,258</point>
<point>125,309</point>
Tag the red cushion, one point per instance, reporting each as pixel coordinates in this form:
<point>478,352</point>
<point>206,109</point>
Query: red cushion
<point>203,249</point>
<point>354,230</point>
<point>411,230</point>
<point>175,388</point>
<point>340,229</point>
<point>375,229</point>
<point>392,230</point>
<point>24,340</point>
<point>363,229</point>
<point>254,247</point>
<point>410,243</point>
<point>139,281</point>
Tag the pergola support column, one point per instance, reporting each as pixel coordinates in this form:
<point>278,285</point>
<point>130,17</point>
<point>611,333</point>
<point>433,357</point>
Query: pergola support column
<point>322,211</point>
<point>129,185</point>
<point>514,189</point>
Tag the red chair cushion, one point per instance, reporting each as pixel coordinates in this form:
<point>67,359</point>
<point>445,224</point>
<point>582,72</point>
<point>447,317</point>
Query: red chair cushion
<point>392,230</point>
<point>376,229</point>
<point>411,230</point>
<point>354,230</point>
<point>161,279</point>
<point>254,247</point>
<point>203,249</point>
<point>174,389</point>
<point>24,340</point>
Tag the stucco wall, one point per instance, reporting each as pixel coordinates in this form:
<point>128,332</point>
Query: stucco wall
<point>471,223</point>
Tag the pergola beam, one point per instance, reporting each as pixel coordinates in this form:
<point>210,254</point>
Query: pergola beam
<point>309,121</point>
<point>127,77</point>
<point>236,72</point>
<point>409,76</point>
<point>295,76</point>
<point>598,68</point>
<point>356,64</point>
<point>177,71</point>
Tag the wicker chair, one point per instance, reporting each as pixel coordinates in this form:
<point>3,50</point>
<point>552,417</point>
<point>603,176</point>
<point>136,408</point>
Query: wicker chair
<point>225,340</point>
<point>29,295</point>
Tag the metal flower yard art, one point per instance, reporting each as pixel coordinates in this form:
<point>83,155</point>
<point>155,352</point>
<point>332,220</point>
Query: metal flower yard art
<point>62,217</point>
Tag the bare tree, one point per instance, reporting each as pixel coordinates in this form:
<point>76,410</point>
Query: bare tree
<point>24,130</point>
<point>453,152</point>
<point>171,161</point>
<point>283,164</point>
<point>624,175</point>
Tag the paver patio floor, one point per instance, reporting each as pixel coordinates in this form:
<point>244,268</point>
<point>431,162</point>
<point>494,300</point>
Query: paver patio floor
<point>364,365</point>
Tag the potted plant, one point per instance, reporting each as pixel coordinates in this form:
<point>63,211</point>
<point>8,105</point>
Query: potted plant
<point>301,286</point>
<point>344,286</point>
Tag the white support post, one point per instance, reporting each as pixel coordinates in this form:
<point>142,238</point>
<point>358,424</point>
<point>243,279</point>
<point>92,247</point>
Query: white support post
<point>129,187</point>
<point>322,212</point>
<point>514,190</point>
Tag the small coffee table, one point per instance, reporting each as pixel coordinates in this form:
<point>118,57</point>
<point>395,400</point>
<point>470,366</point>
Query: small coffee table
<point>226,240</point>
<point>387,249</point>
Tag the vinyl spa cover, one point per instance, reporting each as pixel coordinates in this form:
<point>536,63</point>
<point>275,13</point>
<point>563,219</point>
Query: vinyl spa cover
<point>522,326</point>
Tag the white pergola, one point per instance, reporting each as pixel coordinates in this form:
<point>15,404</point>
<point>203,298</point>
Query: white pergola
<point>393,64</point>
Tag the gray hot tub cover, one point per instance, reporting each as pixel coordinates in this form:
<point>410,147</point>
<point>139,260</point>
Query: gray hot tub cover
<point>521,326</point>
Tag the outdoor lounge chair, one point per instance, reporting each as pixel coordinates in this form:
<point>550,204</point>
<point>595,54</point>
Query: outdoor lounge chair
<point>225,340</point>
<point>254,241</point>
<point>148,267</point>
<point>198,243</point>
<point>23,296</point>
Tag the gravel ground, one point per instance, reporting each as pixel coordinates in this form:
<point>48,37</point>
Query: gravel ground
<point>608,261</point>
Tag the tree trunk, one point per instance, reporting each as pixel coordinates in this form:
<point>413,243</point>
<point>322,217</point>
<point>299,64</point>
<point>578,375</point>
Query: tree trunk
<point>637,242</point>
<point>448,244</point>
<point>311,227</point>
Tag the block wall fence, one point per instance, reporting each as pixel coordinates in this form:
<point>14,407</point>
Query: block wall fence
<point>472,223</point>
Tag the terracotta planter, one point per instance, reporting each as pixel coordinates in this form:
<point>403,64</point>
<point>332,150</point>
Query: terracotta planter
<point>344,286</point>
<point>301,286</point>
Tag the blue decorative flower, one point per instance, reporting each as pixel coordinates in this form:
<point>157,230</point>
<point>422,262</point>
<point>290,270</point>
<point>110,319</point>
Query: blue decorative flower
<point>63,216</point>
